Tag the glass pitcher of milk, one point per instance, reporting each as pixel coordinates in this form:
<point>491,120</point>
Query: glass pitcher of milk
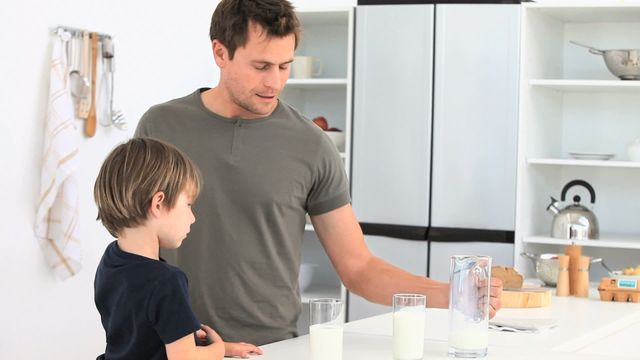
<point>469,285</point>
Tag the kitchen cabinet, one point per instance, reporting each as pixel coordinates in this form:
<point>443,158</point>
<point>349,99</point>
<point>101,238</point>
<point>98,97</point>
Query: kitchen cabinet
<point>475,117</point>
<point>477,56</point>
<point>392,105</point>
<point>392,134</point>
<point>571,103</point>
<point>327,35</point>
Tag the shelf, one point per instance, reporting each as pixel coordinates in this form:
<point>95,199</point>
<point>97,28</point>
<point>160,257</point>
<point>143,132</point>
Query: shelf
<point>608,241</point>
<point>318,292</point>
<point>589,86</point>
<point>583,12</point>
<point>591,163</point>
<point>317,83</point>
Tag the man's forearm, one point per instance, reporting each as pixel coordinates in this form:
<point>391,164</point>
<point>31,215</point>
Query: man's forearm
<point>379,280</point>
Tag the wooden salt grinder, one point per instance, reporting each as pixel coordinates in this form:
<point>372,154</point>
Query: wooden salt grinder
<point>562,287</point>
<point>574,252</point>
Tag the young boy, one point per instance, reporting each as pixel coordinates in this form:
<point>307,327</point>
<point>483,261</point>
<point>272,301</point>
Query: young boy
<point>144,193</point>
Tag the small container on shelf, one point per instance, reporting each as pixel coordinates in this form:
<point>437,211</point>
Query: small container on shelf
<point>634,150</point>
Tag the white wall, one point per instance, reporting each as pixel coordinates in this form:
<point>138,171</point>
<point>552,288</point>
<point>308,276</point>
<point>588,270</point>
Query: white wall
<point>162,52</point>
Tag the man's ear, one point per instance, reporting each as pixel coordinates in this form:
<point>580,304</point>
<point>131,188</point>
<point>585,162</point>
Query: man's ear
<point>156,203</point>
<point>220,53</point>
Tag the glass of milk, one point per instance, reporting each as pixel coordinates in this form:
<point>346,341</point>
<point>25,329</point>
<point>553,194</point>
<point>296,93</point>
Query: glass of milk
<point>469,284</point>
<point>408,326</point>
<point>325,330</point>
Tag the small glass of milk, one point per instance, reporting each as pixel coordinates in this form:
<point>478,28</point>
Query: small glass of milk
<point>325,330</point>
<point>408,326</point>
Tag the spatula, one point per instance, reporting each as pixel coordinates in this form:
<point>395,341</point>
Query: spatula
<point>90,128</point>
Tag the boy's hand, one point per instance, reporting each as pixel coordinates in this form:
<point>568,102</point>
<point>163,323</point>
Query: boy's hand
<point>207,336</point>
<point>241,349</point>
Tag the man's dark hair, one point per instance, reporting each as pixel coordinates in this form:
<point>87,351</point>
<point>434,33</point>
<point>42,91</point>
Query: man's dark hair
<point>231,19</point>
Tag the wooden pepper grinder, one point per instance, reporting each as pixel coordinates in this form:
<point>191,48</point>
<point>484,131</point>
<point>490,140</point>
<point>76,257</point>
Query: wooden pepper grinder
<point>562,287</point>
<point>574,252</point>
<point>582,285</point>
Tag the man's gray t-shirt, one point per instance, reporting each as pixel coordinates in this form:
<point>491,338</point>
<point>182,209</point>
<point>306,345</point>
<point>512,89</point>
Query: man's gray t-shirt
<point>261,176</point>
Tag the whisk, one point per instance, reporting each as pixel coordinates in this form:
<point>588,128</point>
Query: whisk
<point>115,117</point>
<point>118,120</point>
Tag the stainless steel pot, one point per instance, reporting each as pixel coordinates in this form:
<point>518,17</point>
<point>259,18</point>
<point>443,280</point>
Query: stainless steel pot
<point>547,266</point>
<point>623,63</point>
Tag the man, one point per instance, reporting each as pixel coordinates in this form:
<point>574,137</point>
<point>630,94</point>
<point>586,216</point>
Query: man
<point>264,166</point>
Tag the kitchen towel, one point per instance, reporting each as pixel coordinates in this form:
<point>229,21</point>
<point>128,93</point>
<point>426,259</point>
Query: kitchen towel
<point>57,214</point>
<point>522,325</point>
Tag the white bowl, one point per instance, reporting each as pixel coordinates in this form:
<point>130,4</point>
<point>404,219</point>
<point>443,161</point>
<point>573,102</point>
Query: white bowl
<point>306,275</point>
<point>337,137</point>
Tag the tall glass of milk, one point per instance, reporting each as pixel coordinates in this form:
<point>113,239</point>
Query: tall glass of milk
<point>325,330</point>
<point>408,326</point>
<point>469,285</point>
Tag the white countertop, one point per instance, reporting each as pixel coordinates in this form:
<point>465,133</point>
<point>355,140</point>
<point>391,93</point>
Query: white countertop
<point>587,329</point>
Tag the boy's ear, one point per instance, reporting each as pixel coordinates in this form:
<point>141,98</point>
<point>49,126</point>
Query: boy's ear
<point>156,203</point>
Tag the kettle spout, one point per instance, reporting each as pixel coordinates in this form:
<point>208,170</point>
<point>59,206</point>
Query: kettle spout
<point>553,207</point>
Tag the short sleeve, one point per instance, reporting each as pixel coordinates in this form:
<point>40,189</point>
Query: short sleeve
<point>144,129</point>
<point>330,188</point>
<point>169,311</point>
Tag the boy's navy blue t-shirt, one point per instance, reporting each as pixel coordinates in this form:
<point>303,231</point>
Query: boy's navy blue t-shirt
<point>143,303</point>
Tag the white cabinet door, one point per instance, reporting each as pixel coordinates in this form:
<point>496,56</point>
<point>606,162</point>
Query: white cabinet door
<point>409,255</point>
<point>441,252</point>
<point>392,114</point>
<point>475,116</point>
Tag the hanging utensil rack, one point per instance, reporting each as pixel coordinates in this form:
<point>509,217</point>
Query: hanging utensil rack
<point>104,42</point>
<point>78,32</point>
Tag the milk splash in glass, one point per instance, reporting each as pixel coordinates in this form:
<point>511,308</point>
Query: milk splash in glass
<point>325,332</point>
<point>408,326</point>
<point>469,286</point>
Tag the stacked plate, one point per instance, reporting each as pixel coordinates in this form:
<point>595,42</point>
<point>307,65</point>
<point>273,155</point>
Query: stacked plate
<point>591,156</point>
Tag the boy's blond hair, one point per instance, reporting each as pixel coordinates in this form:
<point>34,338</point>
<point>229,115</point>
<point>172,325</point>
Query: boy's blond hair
<point>132,173</point>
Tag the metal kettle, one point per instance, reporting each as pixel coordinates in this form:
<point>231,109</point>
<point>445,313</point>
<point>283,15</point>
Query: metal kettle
<point>574,221</point>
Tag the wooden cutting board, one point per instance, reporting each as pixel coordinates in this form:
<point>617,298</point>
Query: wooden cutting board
<point>526,298</point>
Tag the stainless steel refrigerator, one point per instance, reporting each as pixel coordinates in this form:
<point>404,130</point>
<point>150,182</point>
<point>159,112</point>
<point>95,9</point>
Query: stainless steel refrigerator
<point>434,135</point>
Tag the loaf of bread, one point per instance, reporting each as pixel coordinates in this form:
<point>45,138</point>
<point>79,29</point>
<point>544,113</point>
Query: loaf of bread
<point>511,279</point>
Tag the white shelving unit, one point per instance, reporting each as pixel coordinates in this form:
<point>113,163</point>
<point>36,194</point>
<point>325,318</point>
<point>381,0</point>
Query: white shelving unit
<point>593,86</point>
<point>575,162</point>
<point>570,102</point>
<point>327,34</point>
<point>605,241</point>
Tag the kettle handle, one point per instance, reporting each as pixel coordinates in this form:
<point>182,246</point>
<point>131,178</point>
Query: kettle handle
<point>578,182</point>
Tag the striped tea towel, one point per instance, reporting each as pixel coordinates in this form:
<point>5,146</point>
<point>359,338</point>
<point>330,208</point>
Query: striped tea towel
<point>57,214</point>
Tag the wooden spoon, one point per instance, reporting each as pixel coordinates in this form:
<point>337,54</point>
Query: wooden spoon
<point>90,128</point>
